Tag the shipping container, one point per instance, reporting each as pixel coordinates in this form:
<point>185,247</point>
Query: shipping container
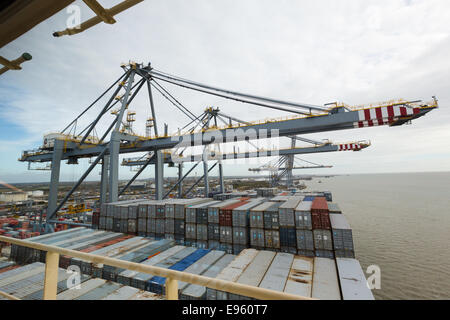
<point>278,272</point>
<point>241,215</point>
<point>160,226</point>
<point>214,209</point>
<point>179,227</point>
<point>180,207</point>
<point>300,277</point>
<point>325,280</point>
<point>232,273</point>
<point>342,234</point>
<point>241,236</point>
<point>226,234</point>
<point>257,238</point>
<point>197,292</point>
<point>272,239</point>
<point>139,279</point>
<point>157,283</point>
<point>202,232</point>
<point>169,226</point>
<point>257,215</point>
<point>322,240</point>
<point>191,211</point>
<point>286,211</point>
<point>255,272</point>
<point>352,280</point>
<point>167,263</point>
<point>271,217</point>
<point>191,231</point>
<point>303,215</point>
<point>214,231</point>
<point>305,240</point>
<point>333,207</point>
<point>201,265</point>
<point>288,237</point>
<point>226,213</point>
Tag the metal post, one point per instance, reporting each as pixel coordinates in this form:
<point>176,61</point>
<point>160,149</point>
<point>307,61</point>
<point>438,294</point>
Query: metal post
<point>115,146</point>
<point>171,289</point>
<point>206,177</point>
<point>51,276</point>
<point>54,181</point>
<point>104,180</point>
<point>221,182</point>
<point>180,177</point>
<point>159,175</point>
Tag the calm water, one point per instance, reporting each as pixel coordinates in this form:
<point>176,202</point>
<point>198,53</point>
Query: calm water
<point>400,222</point>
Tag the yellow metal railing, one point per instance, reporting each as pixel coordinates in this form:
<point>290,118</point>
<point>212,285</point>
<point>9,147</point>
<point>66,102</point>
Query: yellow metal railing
<point>52,265</point>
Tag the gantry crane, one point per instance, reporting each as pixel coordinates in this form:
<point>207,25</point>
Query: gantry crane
<point>283,167</point>
<point>303,119</point>
<point>20,16</point>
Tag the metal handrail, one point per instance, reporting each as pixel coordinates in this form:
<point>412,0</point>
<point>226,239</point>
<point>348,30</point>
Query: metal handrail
<point>173,276</point>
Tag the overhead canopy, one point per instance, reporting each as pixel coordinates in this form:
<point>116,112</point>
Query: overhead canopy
<point>19,16</point>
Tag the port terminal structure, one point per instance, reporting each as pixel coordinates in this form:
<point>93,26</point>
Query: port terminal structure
<point>304,119</point>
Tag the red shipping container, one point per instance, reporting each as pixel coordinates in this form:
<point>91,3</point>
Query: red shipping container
<point>226,214</point>
<point>320,221</point>
<point>319,205</point>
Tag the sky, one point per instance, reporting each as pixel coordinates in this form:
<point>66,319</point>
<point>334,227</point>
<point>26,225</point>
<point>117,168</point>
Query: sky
<point>316,52</point>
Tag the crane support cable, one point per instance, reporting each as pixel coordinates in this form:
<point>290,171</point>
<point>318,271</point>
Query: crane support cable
<point>245,95</point>
<point>171,96</point>
<point>93,103</point>
<point>173,103</point>
<point>232,98</point>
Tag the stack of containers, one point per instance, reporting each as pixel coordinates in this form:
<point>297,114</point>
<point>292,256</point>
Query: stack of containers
<point>213,223</point>
<point>226,225</point>
<point>342,237</point>
<point>266,192</point>
<point>191,222</point>
<point>151,218</point>
<point>201,216</point>
<point>257,225</point>
<point>321,225</point>
<point>241,225</point>
<point>169,213</point>
<point>272,227</point>
<point>303,224</point>
<point>142,216</point>
<point>160,219</point>
<point>288,237</point>
<point>180,212</point>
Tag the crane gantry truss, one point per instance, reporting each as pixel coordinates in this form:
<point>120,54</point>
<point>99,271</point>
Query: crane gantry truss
<point>304,119</point>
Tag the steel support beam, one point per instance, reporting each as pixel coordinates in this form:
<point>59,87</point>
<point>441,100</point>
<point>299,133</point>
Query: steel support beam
<point>206,177</point>
<point>180,180</point>
<point>104,180</point>
<point>52,213</point>
<point>114,146</point>
<point>54,181</point>
<point>159,175</point>
<point>221,181</point>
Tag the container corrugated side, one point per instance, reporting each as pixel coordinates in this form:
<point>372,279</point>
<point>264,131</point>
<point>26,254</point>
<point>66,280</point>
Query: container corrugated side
<point>232,273</point>
<point>278,272</point>
<point>325,280</point>
<point>352,280</point>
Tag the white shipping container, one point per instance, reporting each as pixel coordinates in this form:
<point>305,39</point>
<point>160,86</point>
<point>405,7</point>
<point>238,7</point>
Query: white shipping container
<point>353,281</point>
<point>325,280</point>
<point>300,277</point>
<point>276,276</point>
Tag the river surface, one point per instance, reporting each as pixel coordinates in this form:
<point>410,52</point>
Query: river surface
<point>400,222</point>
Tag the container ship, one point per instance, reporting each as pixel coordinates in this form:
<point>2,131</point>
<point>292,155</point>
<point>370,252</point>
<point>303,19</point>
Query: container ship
<point>298,243</point>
